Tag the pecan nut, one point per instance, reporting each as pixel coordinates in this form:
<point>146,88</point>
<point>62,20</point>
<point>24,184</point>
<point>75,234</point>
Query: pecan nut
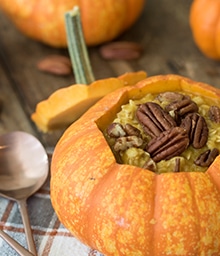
<point>206,158</point>
<point>154,119</point>
<point>123,143</point>
<point>122,50</point>
<point>214,114</point>
<point>171,96</point>
<point>168,144</point>
<point>182,107</point>
<point>115,130</point>
<point>197,129</point>
<point>131,130</point>
<point>56,65</point>
<point>177,165</point>
<point>150,165</point>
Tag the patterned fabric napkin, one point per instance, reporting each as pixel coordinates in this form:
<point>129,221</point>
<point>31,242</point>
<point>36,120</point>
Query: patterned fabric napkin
<point>51,237</point>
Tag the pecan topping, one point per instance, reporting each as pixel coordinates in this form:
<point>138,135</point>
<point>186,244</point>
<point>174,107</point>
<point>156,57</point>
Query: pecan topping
<point>123,143</point>
<point>131,130</point>
<point>154,119</point>
<point>197,129</point>
<point>182,107</point>
<point>177,165</point>
<point>116,130</point>
<point>150,165</point>
<point>172,122</point>
<point>214,114</point>
<point>207,157</point>
<point>171,96</point>
<point>168,144</point>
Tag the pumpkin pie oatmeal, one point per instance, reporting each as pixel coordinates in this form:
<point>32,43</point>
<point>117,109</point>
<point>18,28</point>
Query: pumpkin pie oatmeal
<point>166,132</point>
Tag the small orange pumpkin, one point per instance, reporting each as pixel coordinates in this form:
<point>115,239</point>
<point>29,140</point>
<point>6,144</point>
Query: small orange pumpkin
<point>205,26</point>
<point>120,209</point>
<point>102,20</point>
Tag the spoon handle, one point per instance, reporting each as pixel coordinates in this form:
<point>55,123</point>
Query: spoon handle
<point>27,226</point>
<point>15,245</point>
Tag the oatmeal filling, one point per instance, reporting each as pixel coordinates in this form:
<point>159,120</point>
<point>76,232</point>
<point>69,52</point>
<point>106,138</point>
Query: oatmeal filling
<point>168,132</point>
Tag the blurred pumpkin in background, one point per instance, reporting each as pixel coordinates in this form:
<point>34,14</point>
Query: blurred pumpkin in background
<point>43,20</point>
<point>205,26</point>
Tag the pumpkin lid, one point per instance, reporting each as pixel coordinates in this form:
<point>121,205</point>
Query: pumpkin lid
<point>67,104</point>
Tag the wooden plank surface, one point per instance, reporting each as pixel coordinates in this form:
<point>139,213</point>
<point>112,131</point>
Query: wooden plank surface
<point>163,31</point>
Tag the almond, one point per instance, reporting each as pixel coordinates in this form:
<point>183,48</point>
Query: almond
<point>121,50</point>
<point>56,65</point>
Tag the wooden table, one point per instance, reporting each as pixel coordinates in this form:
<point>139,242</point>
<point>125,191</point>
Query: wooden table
<point>163,30</point>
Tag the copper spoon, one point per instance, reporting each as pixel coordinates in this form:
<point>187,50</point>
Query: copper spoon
<point>18,248</point>
<point>23,170</point>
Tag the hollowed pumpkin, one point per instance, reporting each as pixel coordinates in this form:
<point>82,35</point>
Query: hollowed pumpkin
<point>120,209</point>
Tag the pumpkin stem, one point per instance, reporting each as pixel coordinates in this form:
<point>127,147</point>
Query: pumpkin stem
<point>77,47</point>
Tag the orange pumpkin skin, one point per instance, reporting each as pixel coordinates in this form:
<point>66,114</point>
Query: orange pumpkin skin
<point>205,26</point>
<point>43,20</point>
<point>125,210</point>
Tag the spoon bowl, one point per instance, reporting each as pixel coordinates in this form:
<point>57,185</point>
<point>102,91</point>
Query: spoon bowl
<point>24,169</point>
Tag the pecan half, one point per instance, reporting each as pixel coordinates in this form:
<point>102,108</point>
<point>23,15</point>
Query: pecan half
<point>196,128</point>
<point>182,107</point>
<point>154,119</point>
<point>177,165</point>
<point>168,144</point>
<point>123,143</point>
<point>115,130</point>
<point>55,65</point>
<point>150,165</point>
<point>131,130</point>
<point>171,96</point>
<point>122,50</point>
<point>214,114</point>
<point>206,158</point>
